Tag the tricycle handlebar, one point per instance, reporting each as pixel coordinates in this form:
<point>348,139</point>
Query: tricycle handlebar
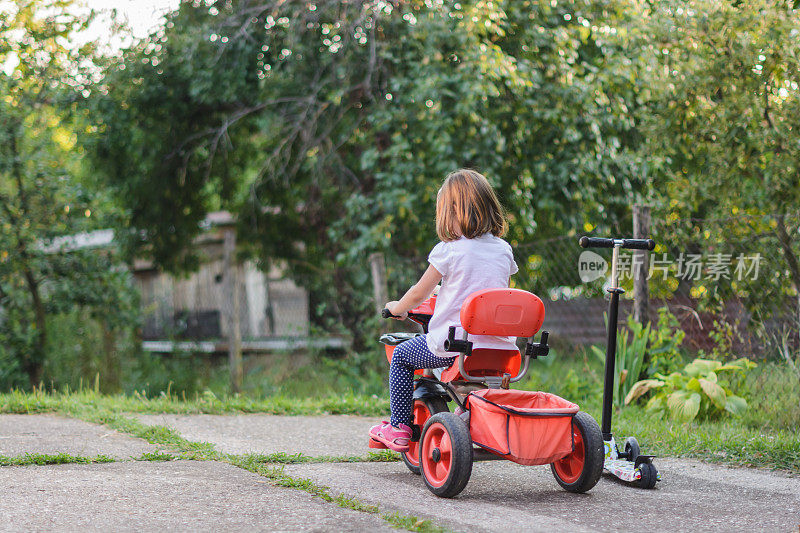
<point>419,318</point>
<point>633,244</point>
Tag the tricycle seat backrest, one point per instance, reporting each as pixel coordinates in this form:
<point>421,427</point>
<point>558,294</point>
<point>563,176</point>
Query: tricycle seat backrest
<point>506,312</point>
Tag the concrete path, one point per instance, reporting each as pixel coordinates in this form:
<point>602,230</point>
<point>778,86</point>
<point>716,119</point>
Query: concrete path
<point>170,496</point>
<point>49,434</point>
<point>334,435</point>
<point>205,495</point>
<point>502,496</point>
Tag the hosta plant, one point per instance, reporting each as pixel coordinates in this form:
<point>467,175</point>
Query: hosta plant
<point>703,389</point>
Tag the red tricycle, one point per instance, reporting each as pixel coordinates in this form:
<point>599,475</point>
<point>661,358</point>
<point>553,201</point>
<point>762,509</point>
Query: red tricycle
<point>492,421</point>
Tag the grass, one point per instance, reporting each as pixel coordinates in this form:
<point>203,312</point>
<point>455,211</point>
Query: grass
<point>726,441</point>
<point>412,523</point>
<point>41,402</point>
<point>730,441</point>
<point>41,459</point>
<point>773,392</point>
<point>383,456</point>
<point>156,456</point>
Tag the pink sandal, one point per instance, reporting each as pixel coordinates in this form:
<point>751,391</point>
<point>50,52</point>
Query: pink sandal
<point>395,439</point>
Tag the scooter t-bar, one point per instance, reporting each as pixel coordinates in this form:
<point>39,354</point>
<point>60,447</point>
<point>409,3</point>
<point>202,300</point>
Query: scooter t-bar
<point>613,311</point>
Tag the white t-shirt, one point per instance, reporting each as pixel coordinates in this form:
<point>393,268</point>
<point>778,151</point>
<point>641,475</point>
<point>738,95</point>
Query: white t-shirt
<point>466,266</point>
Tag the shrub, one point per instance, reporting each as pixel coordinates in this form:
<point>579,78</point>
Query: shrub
<point>663,351</point>
<point>697,391</point>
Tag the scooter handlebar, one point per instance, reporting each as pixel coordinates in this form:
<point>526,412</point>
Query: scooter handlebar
<point>595,242</point>
<point>387,314</point>
<point>632,244</point>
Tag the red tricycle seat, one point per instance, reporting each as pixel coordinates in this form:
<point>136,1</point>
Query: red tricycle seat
<point>485,362</point>
<point>504,312</point>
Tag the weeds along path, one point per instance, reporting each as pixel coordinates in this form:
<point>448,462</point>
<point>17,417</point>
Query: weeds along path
<point>155,479</point>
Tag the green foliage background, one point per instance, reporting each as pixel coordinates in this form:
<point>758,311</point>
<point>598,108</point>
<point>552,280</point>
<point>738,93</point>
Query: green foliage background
<point>46,192</point>
<point>327,128</point>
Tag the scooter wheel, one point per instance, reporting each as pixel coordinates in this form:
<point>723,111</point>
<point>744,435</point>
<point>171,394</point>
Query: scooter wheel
<point>424,408</point>
<point>446,454</point>
<point>632,450</point>
<point>649,476</point>
<point>580,470</point>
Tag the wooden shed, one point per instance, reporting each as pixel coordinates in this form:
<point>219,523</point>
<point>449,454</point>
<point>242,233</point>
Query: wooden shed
<point>197,310</point>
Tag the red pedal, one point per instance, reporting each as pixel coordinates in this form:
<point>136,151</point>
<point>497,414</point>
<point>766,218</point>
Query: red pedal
<point>376,444</point>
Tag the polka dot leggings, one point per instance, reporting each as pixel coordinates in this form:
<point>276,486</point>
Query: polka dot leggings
<point>409,356</point>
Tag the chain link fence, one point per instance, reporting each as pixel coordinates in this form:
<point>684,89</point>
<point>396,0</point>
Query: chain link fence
<point>740,273</point>
<point>731,284</point>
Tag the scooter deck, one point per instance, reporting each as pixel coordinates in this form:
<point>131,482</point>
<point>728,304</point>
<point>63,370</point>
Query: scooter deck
<point>622,468</point>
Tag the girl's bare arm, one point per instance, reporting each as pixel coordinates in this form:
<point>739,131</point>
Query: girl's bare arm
<point>416,294</point>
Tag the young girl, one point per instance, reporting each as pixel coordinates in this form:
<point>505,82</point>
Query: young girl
<point>471,257</point>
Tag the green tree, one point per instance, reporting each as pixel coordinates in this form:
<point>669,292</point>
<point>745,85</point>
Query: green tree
<point>41,194</point>
<point>720,112</point>
<point>328,127</point>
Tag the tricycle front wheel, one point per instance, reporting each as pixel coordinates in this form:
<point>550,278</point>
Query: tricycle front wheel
<point>580,470</point>
<point>445,454</point>
<point>424,408</point>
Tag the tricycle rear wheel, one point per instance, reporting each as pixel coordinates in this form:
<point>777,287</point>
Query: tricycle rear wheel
<point>424,408</point>
<point>580,470</point>
<point>445,454</point>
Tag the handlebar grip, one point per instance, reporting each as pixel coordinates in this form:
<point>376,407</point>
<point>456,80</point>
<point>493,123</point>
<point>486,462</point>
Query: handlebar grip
<point>595,242</point>
<point>631,244</point>
<point>387,314</point>
<point>639,244</point>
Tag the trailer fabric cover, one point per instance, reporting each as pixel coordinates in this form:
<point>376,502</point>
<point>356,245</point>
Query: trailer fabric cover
<point>530,428</point>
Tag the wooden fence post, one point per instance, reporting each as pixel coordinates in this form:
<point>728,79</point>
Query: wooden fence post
<point>641,292</point>
<point>231,277</point>
<point>380,289</point>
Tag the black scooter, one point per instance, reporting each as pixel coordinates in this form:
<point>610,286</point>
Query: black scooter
<point>628,465</point>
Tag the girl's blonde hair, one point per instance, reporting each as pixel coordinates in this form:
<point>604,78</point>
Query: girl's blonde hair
<point>467,206</point>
